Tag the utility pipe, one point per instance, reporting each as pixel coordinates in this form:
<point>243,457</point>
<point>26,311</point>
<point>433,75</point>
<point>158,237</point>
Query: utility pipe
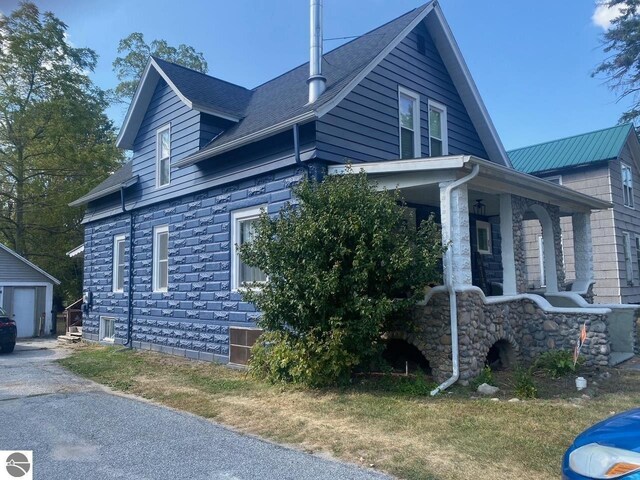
<point>453,308</point>
<point>129,342</point>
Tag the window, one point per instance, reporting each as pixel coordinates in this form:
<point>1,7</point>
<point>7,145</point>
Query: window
<point>107,329</point>
<point>483,236</point>
<point>557,179</point>
<point>243,224</point>
<point>438,135</point>
<point>240,342</point>
<point>163,156</point>
<point>628,262</point>
<point>409,117</point>
<point>160,258</point>
<point>118,263</point>
<point>627,186</point>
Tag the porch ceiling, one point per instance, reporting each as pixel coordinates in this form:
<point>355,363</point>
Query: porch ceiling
<point>419,179</point>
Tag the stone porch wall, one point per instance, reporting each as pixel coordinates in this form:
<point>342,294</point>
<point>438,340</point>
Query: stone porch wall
<point>528,328</point>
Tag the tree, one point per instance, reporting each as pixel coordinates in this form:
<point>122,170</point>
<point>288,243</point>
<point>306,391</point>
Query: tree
<point>622,67</point>
<point>129,68</point>
<point>56,142</point>
<point>343,265</point>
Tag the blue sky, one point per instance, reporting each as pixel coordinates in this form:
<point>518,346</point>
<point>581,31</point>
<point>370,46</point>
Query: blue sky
<point>530,60</point>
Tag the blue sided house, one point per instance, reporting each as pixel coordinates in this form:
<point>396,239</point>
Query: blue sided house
<point>161,266</point>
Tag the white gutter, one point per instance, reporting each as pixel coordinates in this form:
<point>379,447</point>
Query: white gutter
<point>453,308</point>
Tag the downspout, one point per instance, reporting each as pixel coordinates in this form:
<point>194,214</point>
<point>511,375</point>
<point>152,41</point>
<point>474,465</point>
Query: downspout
<point>453,308</point>
<point>129,343</point>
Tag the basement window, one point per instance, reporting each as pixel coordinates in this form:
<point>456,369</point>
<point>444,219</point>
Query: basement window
<point>240,342</point>
<point>107,329</point>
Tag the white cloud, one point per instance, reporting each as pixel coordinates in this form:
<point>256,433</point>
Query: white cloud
<point>604,15</point>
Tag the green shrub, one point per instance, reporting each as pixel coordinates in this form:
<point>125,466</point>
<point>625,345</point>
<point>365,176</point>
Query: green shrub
<point>486,376</point>
<point>556,363</point>
<point>524,386</point>
<point>343,265</point>
<point>418,385</point>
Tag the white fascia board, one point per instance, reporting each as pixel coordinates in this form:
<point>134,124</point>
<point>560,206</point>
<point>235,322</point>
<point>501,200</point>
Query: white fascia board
<point>323,109</point>
<point>27,262</point>
<point>135,112</point>
<point>76,251</point>
<point>394,166</point>
<point>250,138</point>
<point>463,81</point>
<point>509,175</point>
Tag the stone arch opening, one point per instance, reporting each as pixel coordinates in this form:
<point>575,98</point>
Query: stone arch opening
<point>399,354</point>
<point>501,355</point>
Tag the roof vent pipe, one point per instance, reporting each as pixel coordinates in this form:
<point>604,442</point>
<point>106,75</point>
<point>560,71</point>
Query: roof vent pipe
<point>316,81</point>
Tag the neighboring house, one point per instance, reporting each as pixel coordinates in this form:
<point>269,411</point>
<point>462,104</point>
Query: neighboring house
<point>604,164</point>
<point>161,265</point>
<point>26,294</point>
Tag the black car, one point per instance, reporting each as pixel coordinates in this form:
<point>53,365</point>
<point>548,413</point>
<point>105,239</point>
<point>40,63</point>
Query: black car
<point>8,332</point>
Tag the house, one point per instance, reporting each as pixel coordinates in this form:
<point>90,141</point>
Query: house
<point>161,266</point>
<point>26,294</point>
<point>604,164</point>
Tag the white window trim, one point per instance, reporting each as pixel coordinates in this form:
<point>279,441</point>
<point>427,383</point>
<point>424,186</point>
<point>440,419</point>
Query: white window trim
<point>637,239</point>
<point>159,131</point>
<point>432,104</point>
<point>624,166</point>
<point>417,130</point>
<point>480,225</point>
<point>101,333</point>
<point>116,240</point>
<point>238,216</point>
<point>554,177</point>
<point>628,257</point>
<point>156,231</point>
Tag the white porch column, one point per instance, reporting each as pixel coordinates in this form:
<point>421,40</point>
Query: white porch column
<point>582,247</point>
<point>509,284</point>
<point>455,234</point>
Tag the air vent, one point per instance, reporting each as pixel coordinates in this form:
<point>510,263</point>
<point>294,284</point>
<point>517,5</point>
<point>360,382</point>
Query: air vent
<point>421,45</point>
<point>240,342</point>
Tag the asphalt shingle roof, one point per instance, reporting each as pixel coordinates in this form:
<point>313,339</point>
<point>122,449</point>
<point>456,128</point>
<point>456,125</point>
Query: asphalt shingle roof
<point>570,152</point>
<point>119,177</point>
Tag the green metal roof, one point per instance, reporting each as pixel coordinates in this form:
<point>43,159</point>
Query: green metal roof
<point>571,152</point>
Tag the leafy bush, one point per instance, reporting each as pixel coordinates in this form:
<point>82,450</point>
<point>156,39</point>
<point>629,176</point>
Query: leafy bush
<point>524,386</point>
<point>343,265</point>
<point>556,363</point>
<point>486,376</point>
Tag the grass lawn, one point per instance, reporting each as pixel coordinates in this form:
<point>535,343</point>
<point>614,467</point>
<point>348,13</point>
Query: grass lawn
<point>390,426</point>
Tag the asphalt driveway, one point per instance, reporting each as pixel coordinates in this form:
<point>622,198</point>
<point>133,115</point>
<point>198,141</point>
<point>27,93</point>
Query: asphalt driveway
<point>78,430</point>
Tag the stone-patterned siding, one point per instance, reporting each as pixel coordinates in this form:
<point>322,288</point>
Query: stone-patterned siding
<point>529,330</point>
<point>193,317</point>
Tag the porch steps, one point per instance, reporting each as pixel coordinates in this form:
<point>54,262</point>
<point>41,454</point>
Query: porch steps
<point>66,339</point>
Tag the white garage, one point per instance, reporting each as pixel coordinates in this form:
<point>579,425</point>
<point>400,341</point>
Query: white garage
<point>26,294</point>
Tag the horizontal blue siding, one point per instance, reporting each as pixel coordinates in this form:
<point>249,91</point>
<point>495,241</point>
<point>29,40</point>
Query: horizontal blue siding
<point>199,307</point>
<point>364,126</point>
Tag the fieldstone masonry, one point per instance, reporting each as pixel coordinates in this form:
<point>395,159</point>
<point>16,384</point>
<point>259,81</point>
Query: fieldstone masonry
<point>521,322</point>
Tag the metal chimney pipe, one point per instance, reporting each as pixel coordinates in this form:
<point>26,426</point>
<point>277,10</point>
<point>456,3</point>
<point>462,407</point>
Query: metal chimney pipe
<point>317,82</point>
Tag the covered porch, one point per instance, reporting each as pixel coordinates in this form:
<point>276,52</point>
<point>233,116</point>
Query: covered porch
<point>484,210</point>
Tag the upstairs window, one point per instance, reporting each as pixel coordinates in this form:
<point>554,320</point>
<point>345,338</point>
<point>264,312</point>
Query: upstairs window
<point>243,224</point>
<point>163,156</point>
<point>160,258</point>
<point>409,116</point>
<point>627,186</point>
<point>118,263</point>
<point>438,135</point>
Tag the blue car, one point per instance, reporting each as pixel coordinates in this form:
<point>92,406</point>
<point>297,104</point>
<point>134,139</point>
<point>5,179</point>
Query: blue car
<point>609,449</point>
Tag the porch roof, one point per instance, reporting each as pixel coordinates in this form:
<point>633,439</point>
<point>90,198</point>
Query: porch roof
<point>492,178</point>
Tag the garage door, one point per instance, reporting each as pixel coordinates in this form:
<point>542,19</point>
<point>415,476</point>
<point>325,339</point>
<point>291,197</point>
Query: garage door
<point>23,309</point>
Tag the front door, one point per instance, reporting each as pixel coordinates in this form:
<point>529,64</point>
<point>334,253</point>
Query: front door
<point>23,309</point>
